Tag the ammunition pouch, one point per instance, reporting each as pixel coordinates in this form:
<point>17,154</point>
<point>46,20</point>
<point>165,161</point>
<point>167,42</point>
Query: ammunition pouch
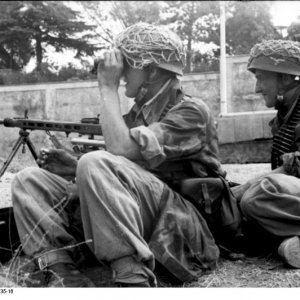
<point>216,203</point>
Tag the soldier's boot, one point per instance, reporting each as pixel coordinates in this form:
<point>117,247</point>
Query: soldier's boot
<point>59,270</point>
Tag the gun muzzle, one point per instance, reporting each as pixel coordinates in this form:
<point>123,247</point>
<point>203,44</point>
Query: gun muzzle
<point>8,122</point>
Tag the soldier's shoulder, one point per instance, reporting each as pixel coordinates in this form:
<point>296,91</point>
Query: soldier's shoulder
<point>195,102</point>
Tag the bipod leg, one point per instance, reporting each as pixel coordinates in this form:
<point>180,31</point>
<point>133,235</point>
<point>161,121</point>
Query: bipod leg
<point>15,148</point>
<point>31,148</point>
<point>22,140</point>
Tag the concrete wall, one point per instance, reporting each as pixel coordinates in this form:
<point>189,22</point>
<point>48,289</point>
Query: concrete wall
<point>246,126</point>
<point>245,137</point>
<point>241,96</point>
<point>244,133</point>
<point>72,101</point>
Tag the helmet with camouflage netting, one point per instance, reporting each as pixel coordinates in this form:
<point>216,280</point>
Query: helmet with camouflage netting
<point>145,44</point>
<point>280,56</point>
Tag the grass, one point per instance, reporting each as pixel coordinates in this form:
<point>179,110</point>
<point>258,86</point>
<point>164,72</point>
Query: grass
<point>267,271</point>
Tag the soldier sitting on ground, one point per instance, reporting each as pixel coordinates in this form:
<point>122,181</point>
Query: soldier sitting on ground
<point>272,202</point>
<point>131,216</point>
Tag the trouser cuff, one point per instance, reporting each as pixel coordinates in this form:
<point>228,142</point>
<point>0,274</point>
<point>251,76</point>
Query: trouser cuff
<point>129,270</point>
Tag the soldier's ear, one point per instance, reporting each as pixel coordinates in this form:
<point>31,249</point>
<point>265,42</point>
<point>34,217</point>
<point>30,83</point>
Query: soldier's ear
<point>287,79</point>
<point>152,72</point>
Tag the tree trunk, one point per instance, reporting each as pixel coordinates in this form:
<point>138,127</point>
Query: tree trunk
<point>190,36</point>
<point>188,56</point>
<point>8,60</point>
<point>38,52</point>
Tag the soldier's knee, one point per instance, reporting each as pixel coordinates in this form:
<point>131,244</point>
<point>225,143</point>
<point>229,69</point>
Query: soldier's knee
<point>91,160</point>
<point>25,175</point>
<point>24,179</point>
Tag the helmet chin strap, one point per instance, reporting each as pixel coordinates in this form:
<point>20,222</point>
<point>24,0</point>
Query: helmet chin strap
<point>143,90</point>
<point>282,91</point>
<point>279,100</point>
<point>141,93</point>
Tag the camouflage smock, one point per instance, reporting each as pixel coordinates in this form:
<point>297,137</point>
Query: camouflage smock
<point>177,139</point>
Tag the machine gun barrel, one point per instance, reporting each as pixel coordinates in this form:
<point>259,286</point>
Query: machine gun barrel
<point>67,127</point>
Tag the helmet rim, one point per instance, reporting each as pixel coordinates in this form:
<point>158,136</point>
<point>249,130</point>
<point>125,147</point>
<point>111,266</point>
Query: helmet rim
<point>271,64</point>
<point>175,67</point>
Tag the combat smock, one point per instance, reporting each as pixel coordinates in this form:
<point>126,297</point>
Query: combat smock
<point>178,139</point>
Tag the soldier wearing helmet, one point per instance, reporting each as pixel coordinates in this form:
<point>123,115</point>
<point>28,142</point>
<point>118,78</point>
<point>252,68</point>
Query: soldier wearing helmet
<point>130,210</point>
<point>272,202</point>
<point>276,65</point>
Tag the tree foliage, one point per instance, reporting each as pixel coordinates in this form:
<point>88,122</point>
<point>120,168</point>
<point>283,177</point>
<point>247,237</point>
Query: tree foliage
<point>249,23</point>
<point>15,46</point>
<point>28,27</point>
<point>293,30</point>
<point>131,12</point>
<point>33,25</point>
<point>114,16</point>
<point>198,23</point>
<point>96,13</point>
<point>194,21</point>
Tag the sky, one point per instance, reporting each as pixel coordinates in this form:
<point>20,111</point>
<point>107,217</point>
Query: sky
<point>283,13</point>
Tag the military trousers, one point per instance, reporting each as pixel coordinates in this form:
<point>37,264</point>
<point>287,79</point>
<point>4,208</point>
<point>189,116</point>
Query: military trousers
<point>119,206</point>
<point>127,214</point>
<point>273,202</point>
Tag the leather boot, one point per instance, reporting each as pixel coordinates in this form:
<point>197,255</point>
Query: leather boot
<point>59,270</point>
<point>65,275</point>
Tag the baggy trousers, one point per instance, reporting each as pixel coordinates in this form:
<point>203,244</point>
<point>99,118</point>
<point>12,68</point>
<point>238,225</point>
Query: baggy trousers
<point>119,204</point>
<point>128,216</point>
<point>273,202</point>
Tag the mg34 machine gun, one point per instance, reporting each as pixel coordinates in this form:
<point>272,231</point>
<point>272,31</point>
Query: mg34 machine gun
<point>87,126</point>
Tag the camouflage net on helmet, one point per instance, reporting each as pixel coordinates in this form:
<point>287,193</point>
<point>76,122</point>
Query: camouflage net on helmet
<point>144,44</point>
<point>277,50</point>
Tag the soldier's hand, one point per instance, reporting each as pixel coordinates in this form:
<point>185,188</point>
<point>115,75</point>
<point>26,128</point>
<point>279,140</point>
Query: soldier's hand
<point>57,161</point>
<point>110,68</point>
<point>291,163</point>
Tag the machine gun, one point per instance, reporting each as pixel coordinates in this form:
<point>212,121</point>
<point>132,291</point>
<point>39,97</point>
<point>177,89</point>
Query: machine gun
<point>87,126</point>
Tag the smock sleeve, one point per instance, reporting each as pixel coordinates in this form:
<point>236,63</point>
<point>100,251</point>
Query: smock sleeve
<point>179,134</point>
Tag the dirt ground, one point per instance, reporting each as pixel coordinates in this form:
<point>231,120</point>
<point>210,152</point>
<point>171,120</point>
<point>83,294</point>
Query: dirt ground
<point>251,272</point>
<point>5,192</point>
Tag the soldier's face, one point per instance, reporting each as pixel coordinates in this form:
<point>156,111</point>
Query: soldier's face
<point>133,78</point>
<point>267,85</point>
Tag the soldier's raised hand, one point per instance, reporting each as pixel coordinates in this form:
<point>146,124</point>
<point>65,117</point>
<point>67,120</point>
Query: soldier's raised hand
<point>110,68</point>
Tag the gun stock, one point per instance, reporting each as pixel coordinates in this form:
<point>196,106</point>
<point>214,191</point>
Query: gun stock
<point>67,127</point>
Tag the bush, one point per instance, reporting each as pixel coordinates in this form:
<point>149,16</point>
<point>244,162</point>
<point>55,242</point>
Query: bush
<point>69,72</point>
<point>9,77</point>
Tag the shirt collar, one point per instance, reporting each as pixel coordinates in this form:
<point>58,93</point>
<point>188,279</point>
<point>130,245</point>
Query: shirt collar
<point>154,107</point>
